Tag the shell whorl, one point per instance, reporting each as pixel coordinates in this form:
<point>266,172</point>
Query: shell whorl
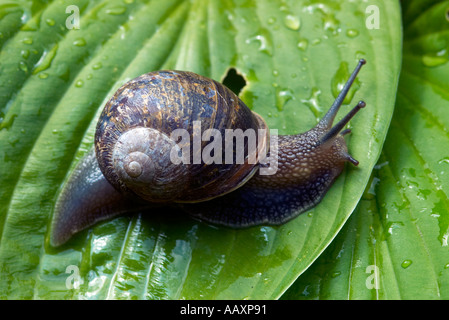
<point>141,159</point>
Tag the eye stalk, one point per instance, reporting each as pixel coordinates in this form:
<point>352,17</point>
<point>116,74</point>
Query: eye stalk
<point>327,120</point>
<point>340,125</point>
<point>325,125</point>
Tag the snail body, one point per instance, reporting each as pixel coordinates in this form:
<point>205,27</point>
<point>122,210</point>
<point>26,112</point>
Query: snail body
<point>131,166</point>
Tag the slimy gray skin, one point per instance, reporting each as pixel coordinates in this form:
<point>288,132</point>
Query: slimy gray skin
<point>129,169</point>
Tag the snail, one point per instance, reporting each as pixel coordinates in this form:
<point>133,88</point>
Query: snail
<point>131,166</point>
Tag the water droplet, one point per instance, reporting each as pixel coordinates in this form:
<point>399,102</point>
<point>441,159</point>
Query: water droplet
<point>352,33</point>
<point>264,38</point>
<point>444,160</point>
<point>446,266</point>
<point>336,274</point>
<point>302,44</point>
<point>282,97</point>
<point>444,239</point>
<point>89,76</point>
<point>123,30</point>
<point>392,226</point>
<point>435,60</point>
<point>27,40</point>
<point>406,263</point>
<point>331,24</point>
<point>43,75</point>
<point>25,54</point>
<point>50,22</point>
<point>97,66</point>
<point>79,83</point>
<point>292,22</point>
<point>8,118</point>
<point>312,102</point>
<point>80,42</point>
<point>271,20</point>
<point>45,61</point>
<point>23,66</point>
<point>31,25</point>
<point>316,41</point>
<point>117,10</point>
<point>339,80</point>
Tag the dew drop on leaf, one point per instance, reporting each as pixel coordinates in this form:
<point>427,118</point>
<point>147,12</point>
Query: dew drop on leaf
<point>282,97</point>
<point>292,22</point>
<point>50,22</point>
<point>80,42</point>
<point>45,61</point>
<point>352,33</point>
<point>118,10</point>
<point>312,102</point>
<point>339,80</point>
<point>406,263</point>
<point>28,40</point>
<point>435,60</point>
<point>302,44</point>
<point>23,66</point>
<point>97,66</point>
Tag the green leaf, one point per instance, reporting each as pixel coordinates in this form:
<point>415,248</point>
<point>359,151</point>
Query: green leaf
<point>400,229</point>
<point>54,82</point>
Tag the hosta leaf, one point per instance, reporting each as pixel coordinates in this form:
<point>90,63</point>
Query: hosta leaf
<point>400,230</point>
<point>54,81</point>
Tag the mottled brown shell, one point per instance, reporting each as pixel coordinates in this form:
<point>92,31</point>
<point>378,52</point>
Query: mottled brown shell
<point>140,118</point>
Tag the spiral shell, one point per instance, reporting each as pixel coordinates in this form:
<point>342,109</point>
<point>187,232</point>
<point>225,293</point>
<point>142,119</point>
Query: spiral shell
<point>133,139</point>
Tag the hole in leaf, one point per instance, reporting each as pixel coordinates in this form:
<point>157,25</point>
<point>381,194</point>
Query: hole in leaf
<point>234,81</point>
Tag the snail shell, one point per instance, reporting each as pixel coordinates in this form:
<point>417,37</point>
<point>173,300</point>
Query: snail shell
<point>132,167</point>
<point>134,146</point>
